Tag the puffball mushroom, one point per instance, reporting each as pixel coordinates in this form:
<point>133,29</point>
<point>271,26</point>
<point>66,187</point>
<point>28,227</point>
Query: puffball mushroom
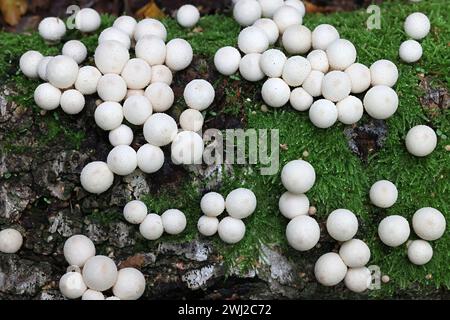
<point>29,63</point>
<point>297,39</point>
<point>341,54</point>
<point>421,141</point>
<point>174,221</point>
<point>47,97</point>
<point>114,34</point>
<point>199,94</point>
<point>112,87</point>
<point>137,74</point>
<point>383,72</point>
<point>126,24</point>
<point>10,241</point>
<point>188,16</point>
<point>78,249</point>
<point>246,12</point>
<point>296,70</point>
<point>269,27</point>
<point>179,54</point>
<point>336,86</point>
<point>130,284</point>
<point>358,279</point>
<point>253,40</point>
<point>342,224</point>
<point>272,63</point>
<point>137,109</point>
<point>135,212</point>
<point>151,49</point>
<point>160,73</point>
<point>231,230</point>
<point>150,158</point>
<point>355,253</point>
<point>96,177</point>
<point>99,273</point>
<point>191,120</point>
<point>62,72</point>
<point>72,285</point>
<point>111,57</point>
<point>313,83</point>
<point>286,16</point>
<point>52,29</point>
<point>72,101</point>
<point>318,60</point>
<point>350,110</point>
<point>249,67</point>
<point>122,160</point>
<point>275,92</point>
<point>161,96</point>
<point>420,252</point>
<point>208,226</point>
<point>42,68</point>
<point>298,176</point>
<point>303,233</point>
<point>122,135</point>
<point>160,129</point>
<point>150,27</point>
<point>297,4</point>
<point>359,77</point>
<point>87,80</point>
<point>226,60</point>
<point>212,204</point>
<point>87,20</point>
<point>324,35</point>
<point>330,269</point>
<point>268,7</point>
<point>410,51</point>
<point>380,102</point>
<point>92,295</point>
<point>108,115</point>
<point>76,50</point>
<point>429,223</point>
<point>292,205</point>
<point>383,194</point>
<point>417,25</point>
<point>187,148</point>
<point>393,230</point>
<point>323,113</point>
<point>152,227</point>
<point>300,99</point>
<point>240,203</point>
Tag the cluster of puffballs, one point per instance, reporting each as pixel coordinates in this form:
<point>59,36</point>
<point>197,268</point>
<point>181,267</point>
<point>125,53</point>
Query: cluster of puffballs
<point>89,275</point>
<point>417,27</point>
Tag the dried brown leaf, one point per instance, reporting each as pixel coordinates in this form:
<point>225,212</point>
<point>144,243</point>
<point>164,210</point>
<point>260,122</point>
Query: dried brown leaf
<point>150,10</point>
<point>13,10</point>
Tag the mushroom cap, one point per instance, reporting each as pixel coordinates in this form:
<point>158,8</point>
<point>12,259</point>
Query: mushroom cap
<point>253,40</point>
<point>29,63</point>
<point>249,67</point>
<point>72,101</point>
<point>429,223</point>
<point>272,63</point>
<point>380,102</point>
<point>135,212</point>
<point>350,110</point>
<point>161,96</point>
<point>297,39</point>
<point>150,27</point>
<point>303,233</point>
<point>313,83</point>
<point>336,86</point>
<point>359,77</point>
<point>212,204</point>
<point>420,252</point>
<point>410,51</point>
<point>187,148</point>
<point>87,80</point>
<point>137,109</point>
<point>108,115</point>
<point>383,72</point>
<point>72,285</point>
<point>174,221</point>
<point>323,35</point>
<point>76,50</point>
<point>152,227</point>
<point>10,240</point>
<point>342,224</point>
<point>421,141</point>
<point>126,24</point>
<point>269,27</point>
<point>417,25</point>
<point>78,249</point>
<point>231,230</point>
<point>112,87</point>
<point>47,97</point>
<point>160,73</point>
<point>275,92</point>
<point>191,120</point>
<point>122,160</point>
<point>298,176</point>
<point>111,57</point>
<point>300,99</point>
<point>296,70</point>
<point>383,194</point>
<point>286,16</point>
<point>99,273</point>
<point>393,230</point>
<point>240,203</point>
<point>151,49</point>
<point>292,205</point>
<point>341,54</point>
<point>87,20</point>
<point>150,158</point>
<point>188,16</point>
<point>268,7</point>
<point>323,113</point>
<point>137,74</point>
<point>96,177</point>
<point>62,72</point>
<point>330,269</point>
<point>92,295</point>
<point>355,253</point>
<point>122,135</point>
<point>318,60</point>
<point>208,226</point>
<point>130,284</point>
<point>246,12</point>
<point>358,279</point>
<point>179,54</point>
<point>52,29</point>
<point>160,129</point>
<point>199,94</point>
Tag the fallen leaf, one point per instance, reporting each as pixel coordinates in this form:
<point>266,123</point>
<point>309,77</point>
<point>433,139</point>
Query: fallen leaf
<point>13,10</point>
<point>310,8</point>
<point>150,10</point>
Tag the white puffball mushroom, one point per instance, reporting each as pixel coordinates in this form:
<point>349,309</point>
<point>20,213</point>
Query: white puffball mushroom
<point>324,35</point>
<point>135,212</point>
<point>393,230</point>
<point>303,233</point>
<point>87,20</point>
<point>359,77</point>
<point>122,135</point>
<point>152,227</point>
<point>76,50</point>
<point>191,120</point>
<point>298,176</point>
<point>150,158</point>
<point>130,284</point>
<point>137,74</point>
<point>78,249</point>
<point>249,67</point>
<point>342,224</point>
<point>10,241</point>
<point>47,97</point>
<point>160,73</point>
<point>350,110</point>
<point>300,99</point>
<point>161,96</point>
<point>269,27</point>
<point>160,129</point>
<point>150,27</point>
<point>42,68</point>
<point>380,102</point>
<point>417,25</point>
<point>231,230</point>
<point>72,285</point>
<point>246,12</point>
<point>187,148</point>
<point>268,7</point>
<point>313,83</point>
<point>179,54</point>
<point>72,101</point>
<point>297,39</point>
<point>122,160</point>
<point>275,92</point>
<point>87,80</point>
<point>111,57</point>
<point>188,16</point>
<point>96,177</point>
<point>240,203</point>
<point>355,253</point>
<point>62,72</point>
<point>297,4</point>
<point>92,295</point>
<point>112,87</point>
<point>296,70</point>
<point>212,204</point>
<point>174,221</point>
<point>126,24</point>
<point>330,269</point>
<point>318,60</point>
<point>383,194</point>
<point>323,113</point>
<point>99,273</point>
<point>358,279</point>
<point>341,54</point>
<point>151,49</point>
<point>429,223</point>
<point>420,252</point>
<point>272,63</point>
<point>137,109</point>
<point>108,115</point>
<point>199,94</point>
<point>421,141</point>
<point>292,205</point>
<point>52,29</point>
<point>287,16</point>
<point>208,226</point>
<point>336,86</point>
<point>226,60</point>
<point>253,40</point>
<point>383,72</point>
<point>410,51</point>
<point>29,63</point>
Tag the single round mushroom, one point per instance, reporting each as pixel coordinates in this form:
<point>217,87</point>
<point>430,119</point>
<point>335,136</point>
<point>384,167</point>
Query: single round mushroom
<point>29,64</point>
<point>150,27</point>
<point>96,177</point>
<point>199,94</point>
<point>421,141</point>
<point>47,97</point>
<point>137,74</point>
<point>78,249</point>
<point>420,252</point>
<point>410,51</point>
<point>303,233</point>
<point>135,212</point>
<point>10,240</point>
<point>160,129</point>
<point>297,39</point>
<point>383,194</point>
<point>355,253</point>
<point>87,80</point>
<point>72,285</point>
<point>126,24</point>
<point>341,54</point>
<point>350,110</point>
<point>323,113</point>
<point>191,120</point>
<point>150,158</point>
<point>99,273</point>
<point>151,49</point>
<point>246,12</point>
<point>179,54</point>
<point>300,99</point>
<point>208,226</point>
<point>324,35</point>
<point>270,28</point>
<point>188,16</point>
<point>130,284</point>
<point>275,92</point>
<point>174,221</point>
<point>122,135</point>
<point>152,227</point>
<point>296,70</point>
<point>298,176</point>
<point>342,224</point>
<point>292,205</point>
<point>381,102</point>
<point>253,40</point>
<point>112,87</point>
<point>108,115</point>
<point>76,50</point>
<point>161,96</point>
<point>330,269</point>
<point>313,83</point>
<point>359,77</point>
<point>137,109</point>
<point>187,148</point>
<point>318,60</point>
<point>160,73</point>
<point>87,20</point>
<point>122,160</point>
<point>336,86</point>
<point>231,230</point>
<point>358,279</point>
<point>393,230</point>
<point>111,57</point>
<point>286,16</point>
<point>226,60</point>
<point>114,34</point>
<point>272,63</point>
<point>417,25</point>
<point>52,29</point>
<point>92,295</point>
<point>72,101</point>
<point>383,72</point>
<point>429,223</point>
<point>212,204</point>
<point>240,203</point>
<point>250,68</point>
<point>62,72</point>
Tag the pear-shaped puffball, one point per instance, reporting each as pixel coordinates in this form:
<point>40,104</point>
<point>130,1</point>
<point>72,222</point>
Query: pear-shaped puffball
<point>313,83</point>
<point>191,120</point>
<point>350,110</point>
<point>381,102</point>
<point>135,212</point>
<point>10,241</point>
<point>383,194</point>
<point>355,253</point>
<point>137,74</point>
<point>72,101</point>
<point>342,224</point>
<point>297,39</point>
<point>108,115</point>
<point>341,54</point>
<point>126,24</point>
<point>92,295</point>
<point>330,269</point>
<point>323,113</point>
<point>76,50</point>
<point>231,230</point>
<point>227,60</point>
<point>96,177</point>
<point>122,135</point>
<point>272,63</point>
<point>161,96</point>
<point>160,129</point>
<point>410,51</point>
<point>199,94</point>
<point>417,25</point>
<point>29,63</point>
<point>358,279</point>
<point>383,72</point>
<point>270,6</point>
<point>318,60</point>
<point>336,86</point>
<point>47,97</point>
<point>303,233</point>
<point>151,49</point>
<point>421,141</point>
<point>188,16</point>
<point>52,29</point>
<point>323,35</point>
<point>130,284</point>
<point>300,99</point>
<point>296,70</point>
<point>393,230</point>
<point>212,204</point>
<point>72,285</point>
<point>359,77</point>
<point>174,221</point>
<point>298,176</point>
<point>111,57</point>
<point>150,158</point>
<point>152,227</point>
<point>122,160</point>
<point>420,252</point>
<point>62,72</point>
<point>112,87</point>
<point>137,109</point>
<point>275,92</point>
<point>179,54</point>
<point>87,20</point>
<point>150,27</point>
<point>78,249</point>
<point>250,68</point>
<point>99,273</point>
<point>160,73</point>
<point>429,223</point>
<point>240,203</point>
<point>253,40</point>
<point>187,148</point>
<point>42,68</point>
<point>287,16</point>
<point>270,28</point>
<point>208,226</point>
<point>87,80</point>
<point>292,205</point>
<point>246,12</point>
